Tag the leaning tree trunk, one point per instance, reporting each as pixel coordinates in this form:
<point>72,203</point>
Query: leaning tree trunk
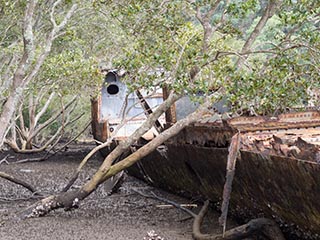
<point>71,199</point>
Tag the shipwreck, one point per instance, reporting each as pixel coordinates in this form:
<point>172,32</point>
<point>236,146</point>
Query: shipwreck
<point>277,171</point>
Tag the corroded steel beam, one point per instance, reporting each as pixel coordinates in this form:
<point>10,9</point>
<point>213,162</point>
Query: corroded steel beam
<point>100,130</point>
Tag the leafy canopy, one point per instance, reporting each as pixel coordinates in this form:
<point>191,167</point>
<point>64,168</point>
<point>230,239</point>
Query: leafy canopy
<point>167,38</point>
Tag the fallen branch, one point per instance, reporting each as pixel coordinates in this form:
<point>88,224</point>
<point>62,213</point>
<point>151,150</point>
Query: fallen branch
<point>67,200</point>
<point>19,182</point>
<point>177,205</point>
<point>28,160</point>
<point>181,205</point>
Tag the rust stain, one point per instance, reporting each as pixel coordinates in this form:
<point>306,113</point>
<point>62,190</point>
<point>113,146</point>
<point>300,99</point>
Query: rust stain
<point>171,116</point>
<point>100,130</point>
<point>277,175</point>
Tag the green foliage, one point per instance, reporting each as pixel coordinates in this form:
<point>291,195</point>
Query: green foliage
<point>163,45</point>
<point>168,40</point>
<point>162,42</point>
<point>70,72</point>
<point>242,8</point>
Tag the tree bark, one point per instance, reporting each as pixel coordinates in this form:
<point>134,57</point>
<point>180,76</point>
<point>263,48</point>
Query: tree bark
<point>268,13</point>
<point>6,114</point>
<point>25,62</point>
<point>71,199</point>
<point>24,74</point>
<point>18,181</point>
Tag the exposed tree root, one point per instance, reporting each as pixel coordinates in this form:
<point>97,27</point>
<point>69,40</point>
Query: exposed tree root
<point>260,226</point>
<point>47,155</point>
<point>19,182</point>
<point>177,205</point>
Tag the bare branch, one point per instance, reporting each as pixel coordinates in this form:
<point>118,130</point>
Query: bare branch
<point>4,160</point>
<point>23,131</point>
<point>18,181</point>
<point>28,40</point>
<point>205,20</point>
<point>268,13</point>
<point>84,162</point>
<point>54,117</point>
<point>53,21</point>
<point>71,140</point>
<point>202,111</point>
<point>44,108</point>
<point>50,38</point>
<point>67,17</point>
<point>32,111</point>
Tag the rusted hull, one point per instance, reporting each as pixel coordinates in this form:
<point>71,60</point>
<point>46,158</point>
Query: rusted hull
<point>277,175</point>
<point>279,187</point>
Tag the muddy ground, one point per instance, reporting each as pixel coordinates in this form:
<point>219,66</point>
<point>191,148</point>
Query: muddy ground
<point>123,215</point>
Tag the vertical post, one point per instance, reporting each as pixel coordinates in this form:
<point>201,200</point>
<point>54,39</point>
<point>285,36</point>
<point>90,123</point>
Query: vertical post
<point>100,130</point>
<point>171,112</point>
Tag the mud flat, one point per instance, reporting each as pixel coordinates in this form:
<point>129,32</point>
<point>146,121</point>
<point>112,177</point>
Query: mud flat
<point>123,215</point>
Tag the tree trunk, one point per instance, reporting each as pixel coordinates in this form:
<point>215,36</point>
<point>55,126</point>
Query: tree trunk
<point>7,113</point>
<point>71,199</point>
<point>28,66</point>
<point>268,13</point>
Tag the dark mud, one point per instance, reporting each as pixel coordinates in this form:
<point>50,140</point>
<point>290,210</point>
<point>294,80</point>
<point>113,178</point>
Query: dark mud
<point>123,215</point>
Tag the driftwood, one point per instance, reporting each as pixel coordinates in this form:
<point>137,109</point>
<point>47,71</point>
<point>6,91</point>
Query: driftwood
<point>260,226</point>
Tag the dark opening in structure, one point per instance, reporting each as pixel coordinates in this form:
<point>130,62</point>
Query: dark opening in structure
<point>112,89</point>
<point>111,77</point>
